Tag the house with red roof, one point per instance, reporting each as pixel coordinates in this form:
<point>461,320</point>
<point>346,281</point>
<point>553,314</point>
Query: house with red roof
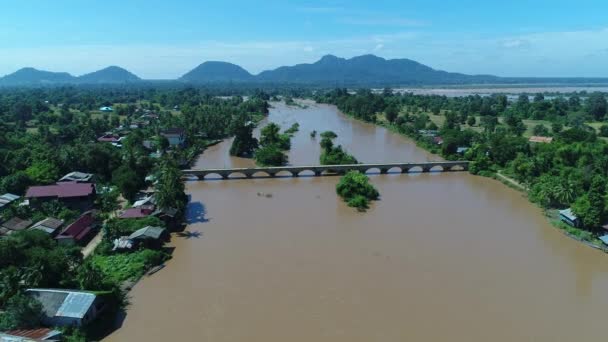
<point>139,212</point>
<point>79,196</point>
<point>79,231</point>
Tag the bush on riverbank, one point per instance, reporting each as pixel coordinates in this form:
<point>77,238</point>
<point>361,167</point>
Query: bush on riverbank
<point>128,266</point>
<point>354,188</point>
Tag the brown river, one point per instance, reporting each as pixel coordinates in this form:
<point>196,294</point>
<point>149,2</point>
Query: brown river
<point>441,257</point>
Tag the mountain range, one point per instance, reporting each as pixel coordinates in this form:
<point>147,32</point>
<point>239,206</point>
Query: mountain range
<point>366,70</point>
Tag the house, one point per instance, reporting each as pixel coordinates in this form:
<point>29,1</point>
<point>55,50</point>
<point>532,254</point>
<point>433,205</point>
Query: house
<point>176,136</point>
<point>79,196</point>
<point>140,212</point>
<point>106,109</point>
<point>7,199</point>
<point>148,233</point>
<point>16,224</point>
<point>168,216</point>
<point>49,225</point>
<point>428,132</point>
<point>568,217</point>
<point>30,335</point>
<point>148,200</point>
<point>110,137</point>
<point>461,150</point>
<point>538,139</point>
<point>79,231</point>
<point>79,177</point>
<point>66,308</point>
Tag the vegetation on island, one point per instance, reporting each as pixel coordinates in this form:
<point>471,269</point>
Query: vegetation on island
<point>356,190</point>
<point>272,145</point>
<point>333,155</point>
<point>568,170</point>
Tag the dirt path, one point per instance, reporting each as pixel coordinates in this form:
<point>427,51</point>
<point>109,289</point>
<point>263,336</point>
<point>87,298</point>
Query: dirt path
<point>511,181</point>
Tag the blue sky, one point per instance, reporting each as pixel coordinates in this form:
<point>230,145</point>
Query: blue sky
<point>164,39</point>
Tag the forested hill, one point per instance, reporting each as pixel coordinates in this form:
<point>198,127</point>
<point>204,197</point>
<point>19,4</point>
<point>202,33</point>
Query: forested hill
<point>213,71</point>
<point>368,70</point>
<point>31,76</point>
<point>329,71</point>
<point>27,76</point>
<point>112,74</point>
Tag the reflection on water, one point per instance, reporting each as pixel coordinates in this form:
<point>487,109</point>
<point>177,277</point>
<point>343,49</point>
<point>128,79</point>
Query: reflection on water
<point>442,256</point>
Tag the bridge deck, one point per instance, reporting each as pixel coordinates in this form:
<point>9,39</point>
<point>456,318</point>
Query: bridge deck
<point>320,170</point>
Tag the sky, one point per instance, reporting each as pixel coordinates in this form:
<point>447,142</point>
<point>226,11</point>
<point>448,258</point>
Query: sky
<point>165,39</point>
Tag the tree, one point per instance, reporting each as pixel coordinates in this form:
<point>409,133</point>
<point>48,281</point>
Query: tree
<point>355,189</point>
<point>270,155</point>
<point>391,113</point>
<point>471,121</point>
<point>244,144</point>
<point>556,127</point>
<point>90,277</point>
<point>604,131</point>
<point>270,135</point>
<point>596,106</point>
<point>42,172</point>
<point>15,183</point>
<point>540,130</point>
<point>590,207</point>
<point>170,190</point>
<point>21,312</point>
<point>127,181</point>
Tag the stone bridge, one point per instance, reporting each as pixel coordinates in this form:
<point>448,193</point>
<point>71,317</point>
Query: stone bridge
<point>321,170</point>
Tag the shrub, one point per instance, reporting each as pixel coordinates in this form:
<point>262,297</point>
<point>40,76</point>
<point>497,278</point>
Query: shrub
<point>355,189</point>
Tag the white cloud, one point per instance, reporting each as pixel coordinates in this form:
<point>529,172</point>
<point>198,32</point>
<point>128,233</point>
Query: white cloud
<point>378,47</point>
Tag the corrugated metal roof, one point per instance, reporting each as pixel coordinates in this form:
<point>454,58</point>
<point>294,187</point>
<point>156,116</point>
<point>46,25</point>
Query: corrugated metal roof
<point>568,214</point>
<point>63,303</point>
<point>147,233</point>
<point>61,190</point>
<point>604,239</point>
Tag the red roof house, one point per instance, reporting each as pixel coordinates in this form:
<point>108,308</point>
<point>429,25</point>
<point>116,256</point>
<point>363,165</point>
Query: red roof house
<point>112,138</point>
<point>73,195</point>
<point>137,212</point>
<point>79,230</point>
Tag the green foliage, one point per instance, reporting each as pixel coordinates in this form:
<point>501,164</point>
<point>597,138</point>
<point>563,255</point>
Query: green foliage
<point>540,130</point>
<point>42,172</point>
<point>336,156</point>
<point>21,312</point>
<point>170,190</point>
<point>471,121</point>
<point>354,187</point>
<point>329,135</point>
<point>604,130</point>
<point>127,266</point>
<point>128,181</point>
<point>313,134</point>
<point>16,183</point>
<point>270,156</point>
<point>331,155</point>
<point>115,227</point>
<point>596,106</point>
<point>244,144</point>
<point>293,129</point>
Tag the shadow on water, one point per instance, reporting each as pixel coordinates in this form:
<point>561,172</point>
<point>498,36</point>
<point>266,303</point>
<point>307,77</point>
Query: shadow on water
<point>196,213</point>
<point>190,235</point>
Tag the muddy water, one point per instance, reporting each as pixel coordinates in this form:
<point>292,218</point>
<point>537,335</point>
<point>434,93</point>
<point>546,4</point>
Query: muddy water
<point>440,257</point>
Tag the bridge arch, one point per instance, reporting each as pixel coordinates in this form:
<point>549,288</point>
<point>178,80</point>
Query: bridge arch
<point>437,168</point>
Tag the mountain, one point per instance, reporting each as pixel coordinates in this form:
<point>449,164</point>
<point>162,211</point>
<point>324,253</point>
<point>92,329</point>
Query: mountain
<point>366,70</point>
<point>28,76</point>
<point>111,74</point>
<point>213,72</point>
